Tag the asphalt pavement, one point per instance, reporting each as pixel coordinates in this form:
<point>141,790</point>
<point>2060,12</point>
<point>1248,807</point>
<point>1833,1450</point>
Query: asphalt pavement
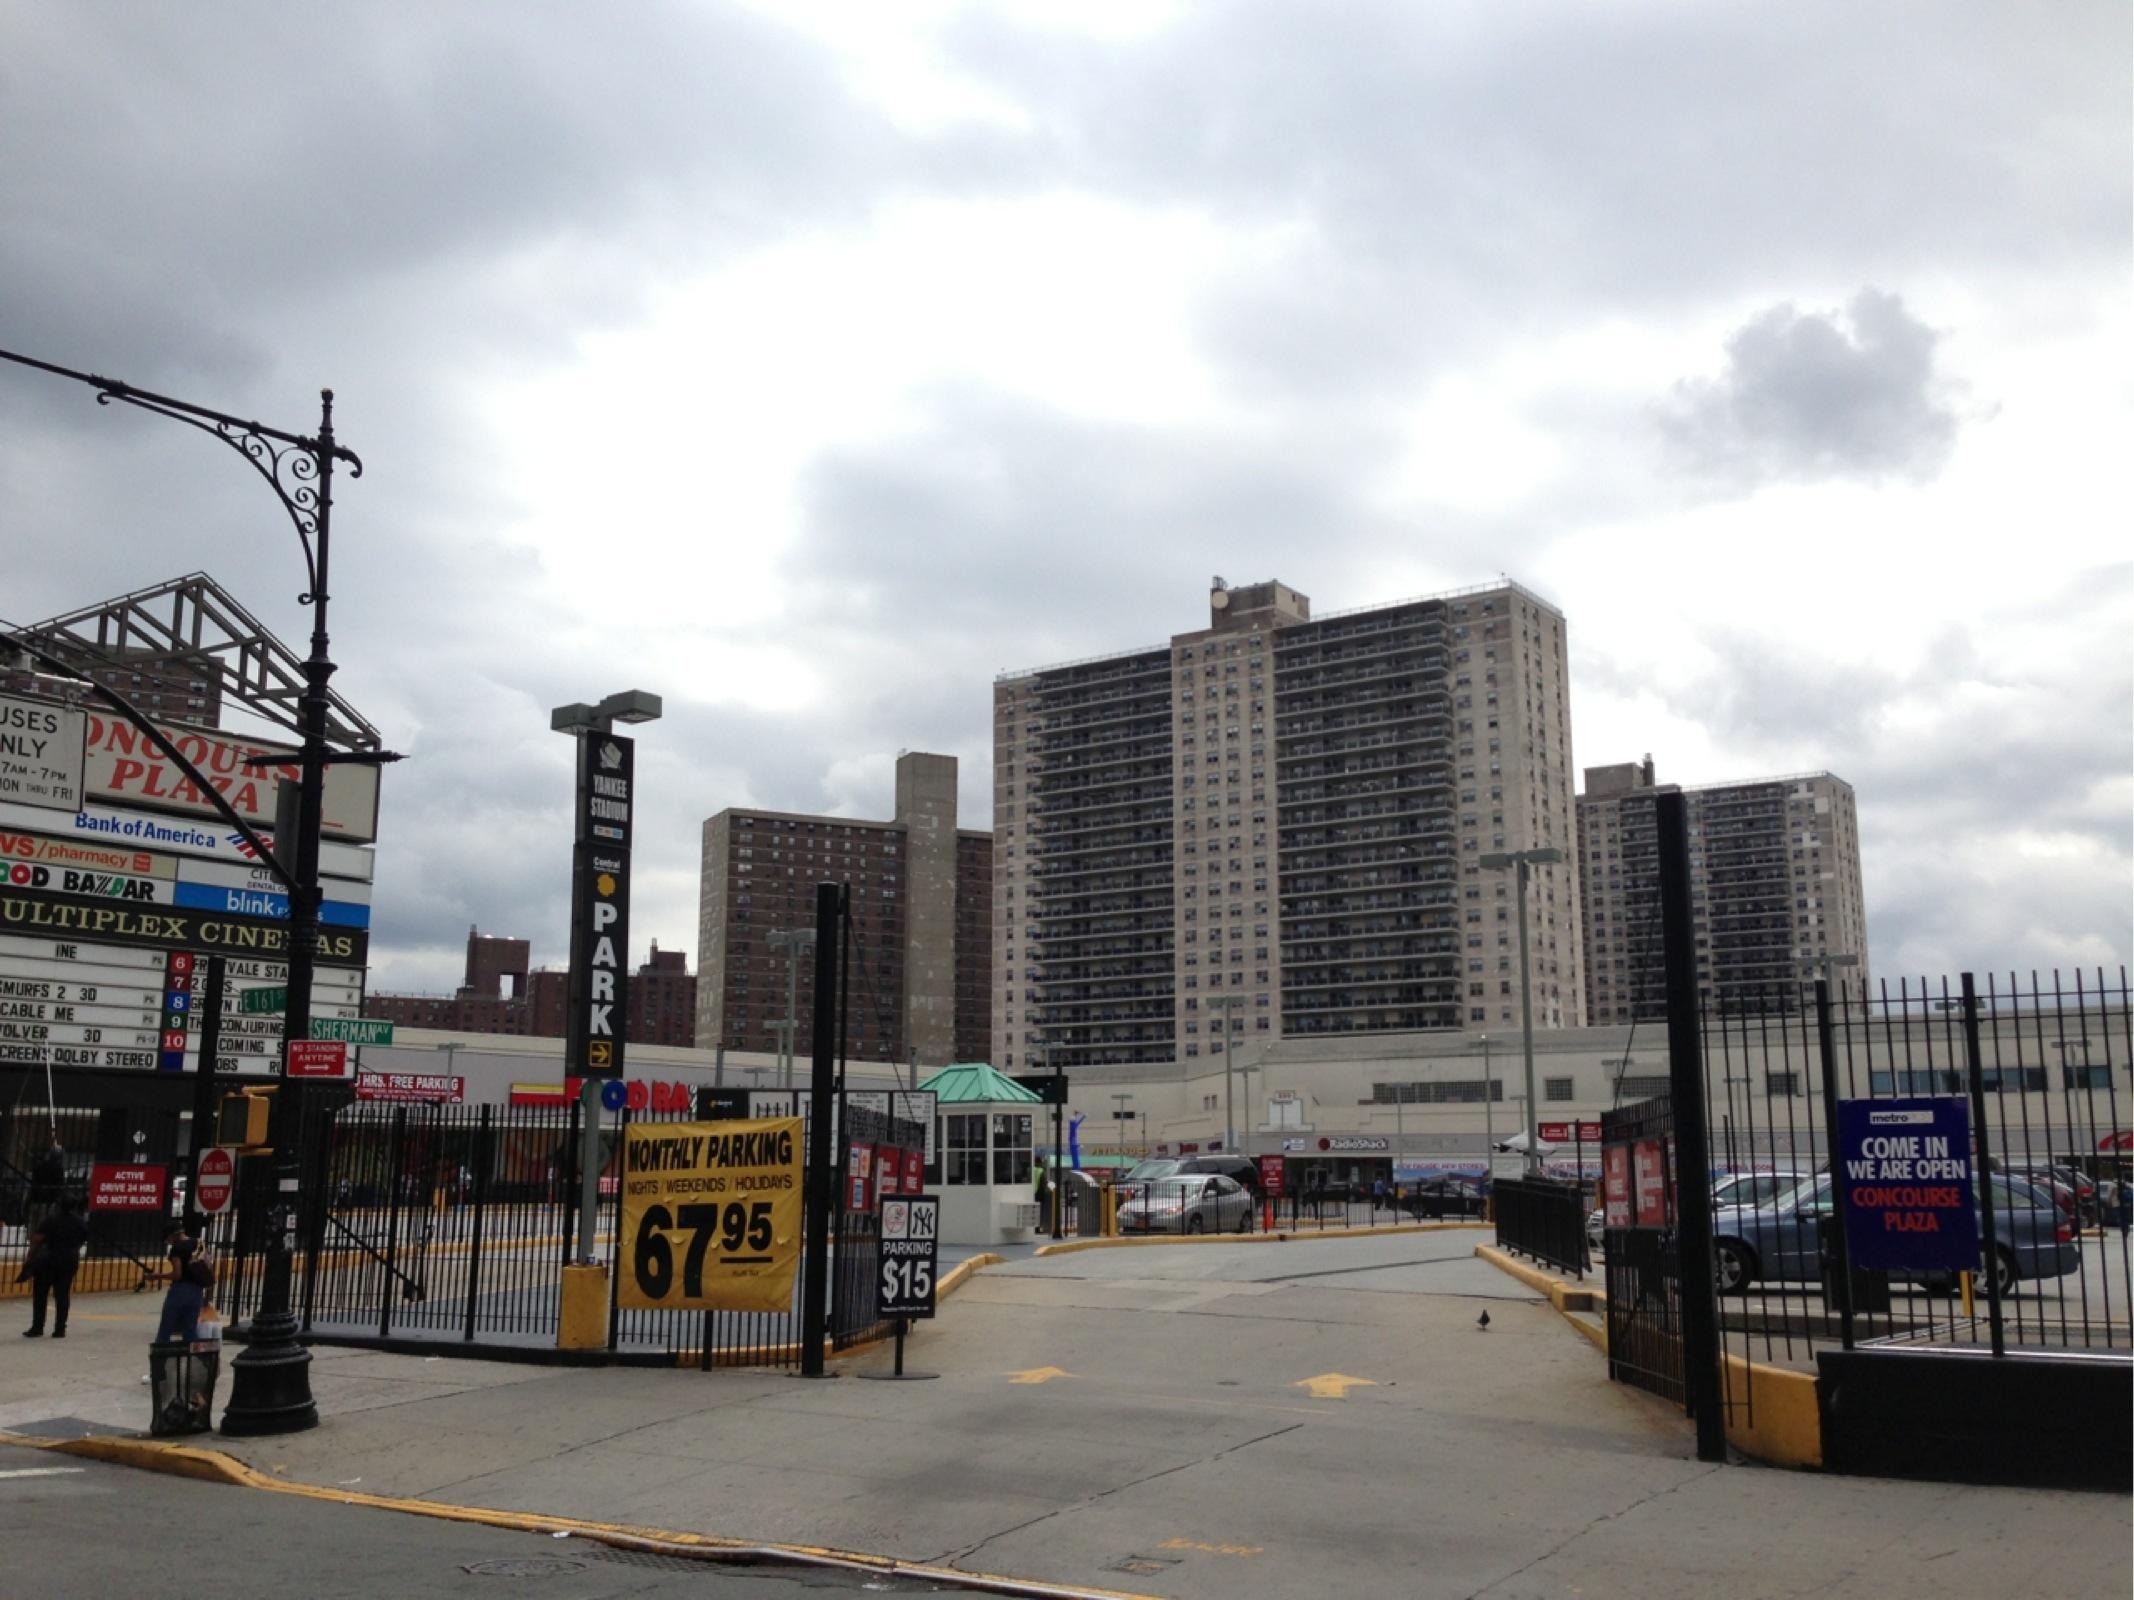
<point>1236,1421</point>
<point>83,1530</point>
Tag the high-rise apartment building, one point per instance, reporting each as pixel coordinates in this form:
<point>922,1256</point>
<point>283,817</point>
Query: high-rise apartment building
<point>1273,825</point>
<point>1774,873</point>
<point>919,890</point>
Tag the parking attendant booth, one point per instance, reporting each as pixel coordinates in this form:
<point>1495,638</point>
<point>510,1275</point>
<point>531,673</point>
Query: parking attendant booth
<point>985,1142</point>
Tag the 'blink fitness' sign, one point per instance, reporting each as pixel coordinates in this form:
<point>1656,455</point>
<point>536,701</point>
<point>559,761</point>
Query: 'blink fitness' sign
<point>1906,1182</point>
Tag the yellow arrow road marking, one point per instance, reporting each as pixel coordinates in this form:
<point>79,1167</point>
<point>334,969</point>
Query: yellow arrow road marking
<point>1037,1375</point>
<point>1332,1385</point>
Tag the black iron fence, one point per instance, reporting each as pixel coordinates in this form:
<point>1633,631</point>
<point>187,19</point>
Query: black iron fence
<point>2040,1068</point>
<point>1543,1219</point>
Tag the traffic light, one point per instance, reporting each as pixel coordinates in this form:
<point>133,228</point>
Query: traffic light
<point>241,1121</point>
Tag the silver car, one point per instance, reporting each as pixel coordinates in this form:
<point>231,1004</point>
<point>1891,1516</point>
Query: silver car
<point>1192,1204</point>
<point>1777,1240</point>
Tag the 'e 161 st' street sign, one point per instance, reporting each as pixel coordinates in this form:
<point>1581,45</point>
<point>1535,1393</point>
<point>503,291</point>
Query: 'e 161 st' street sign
<point>352,1030</point>
<point>251,1001</point>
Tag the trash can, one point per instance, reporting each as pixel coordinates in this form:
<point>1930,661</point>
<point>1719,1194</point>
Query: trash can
<point>1870,1290</point>
<point>181,1385</point>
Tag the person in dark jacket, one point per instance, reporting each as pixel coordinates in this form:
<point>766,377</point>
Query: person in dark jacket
<point>58,1245</point>
<point>48,1181</point>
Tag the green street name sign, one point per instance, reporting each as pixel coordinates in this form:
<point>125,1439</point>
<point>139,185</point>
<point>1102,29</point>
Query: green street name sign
<point>250,1001</point>
<point>359,1030</point>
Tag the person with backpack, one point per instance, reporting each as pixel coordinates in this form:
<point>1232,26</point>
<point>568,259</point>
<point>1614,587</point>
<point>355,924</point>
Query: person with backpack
<point>192,1274</point>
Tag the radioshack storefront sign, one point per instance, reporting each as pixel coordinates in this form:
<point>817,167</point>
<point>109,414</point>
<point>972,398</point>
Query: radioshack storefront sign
<point>600,905</point>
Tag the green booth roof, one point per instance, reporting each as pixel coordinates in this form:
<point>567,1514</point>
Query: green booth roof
<point>963,1083</point>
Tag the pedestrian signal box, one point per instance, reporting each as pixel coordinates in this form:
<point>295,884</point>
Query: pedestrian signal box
<point>241,1121</point>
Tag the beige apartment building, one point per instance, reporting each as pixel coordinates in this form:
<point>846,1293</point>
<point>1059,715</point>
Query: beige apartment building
<point>1271,827</point>
<point>920,888</point>
<point>1775,877</point>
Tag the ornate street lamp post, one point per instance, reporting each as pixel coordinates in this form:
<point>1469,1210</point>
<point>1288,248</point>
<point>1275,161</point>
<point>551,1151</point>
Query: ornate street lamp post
<point>270,1381</point>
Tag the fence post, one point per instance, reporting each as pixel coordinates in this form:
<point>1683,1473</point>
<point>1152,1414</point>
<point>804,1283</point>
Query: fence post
<point>622,1159</point>
<point>1826,1045</point>
<point>484,1154</point>
<point>1693,1164</point>
<point>821,1186</point>
<point>392,1224</point>
<point>1974,1060</point>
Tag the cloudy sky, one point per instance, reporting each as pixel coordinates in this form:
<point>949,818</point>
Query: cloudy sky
<point>809,363</point>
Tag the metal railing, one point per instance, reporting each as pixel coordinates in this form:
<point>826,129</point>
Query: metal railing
<point>1543,1219</point>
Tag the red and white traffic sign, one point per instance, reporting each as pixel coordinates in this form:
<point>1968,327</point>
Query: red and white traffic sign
<point>214,1178</point>
<point>318,1058</point>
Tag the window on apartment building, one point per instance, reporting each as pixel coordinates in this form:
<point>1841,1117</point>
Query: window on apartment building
<point>1556,1089</point>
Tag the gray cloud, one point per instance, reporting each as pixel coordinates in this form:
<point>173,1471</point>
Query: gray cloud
<point>420,205</point>
<point>1807,396</point>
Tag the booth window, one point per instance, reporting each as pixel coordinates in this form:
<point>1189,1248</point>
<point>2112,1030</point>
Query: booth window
<point>1011,1148</point>
<point>963,1149</point>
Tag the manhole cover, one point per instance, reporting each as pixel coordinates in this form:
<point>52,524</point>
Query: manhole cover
<point>523,1567</point>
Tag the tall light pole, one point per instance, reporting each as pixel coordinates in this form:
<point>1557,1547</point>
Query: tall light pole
<point>1520,863</point>
<point>792,941</point>
<point>1224,1005</point>
<point>591,985</point>
<point>1489,1115</point>
<point>270,1381</point>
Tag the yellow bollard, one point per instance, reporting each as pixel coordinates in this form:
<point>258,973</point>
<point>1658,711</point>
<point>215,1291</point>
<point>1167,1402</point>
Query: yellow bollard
<point>1964,1279</point>
<point>584,1322</point>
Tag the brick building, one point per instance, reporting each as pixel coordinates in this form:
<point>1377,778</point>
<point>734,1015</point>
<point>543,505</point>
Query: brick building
<point>501,996</point>
<point>921,892</point>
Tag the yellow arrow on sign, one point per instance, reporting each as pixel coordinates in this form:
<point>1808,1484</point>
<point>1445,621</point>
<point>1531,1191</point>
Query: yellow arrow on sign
<point>1037,1375</point>
<point>1332,1385</point>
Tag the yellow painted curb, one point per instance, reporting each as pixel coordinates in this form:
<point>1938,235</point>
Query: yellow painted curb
<point>1772,1413</point>
<point>1067,1247</point>
<point>213,1466</point>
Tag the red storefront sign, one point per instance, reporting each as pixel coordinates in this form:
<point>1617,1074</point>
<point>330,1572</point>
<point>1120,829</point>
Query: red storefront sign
<point>1570,1132</point>
<point>115,1186</point>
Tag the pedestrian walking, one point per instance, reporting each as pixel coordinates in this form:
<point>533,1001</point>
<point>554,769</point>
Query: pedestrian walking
<point>48,1182</point>
<point>191,1274</point>
<point>55,1255</point>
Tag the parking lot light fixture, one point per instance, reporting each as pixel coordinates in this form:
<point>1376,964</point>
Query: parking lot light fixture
<point>1520,863</point>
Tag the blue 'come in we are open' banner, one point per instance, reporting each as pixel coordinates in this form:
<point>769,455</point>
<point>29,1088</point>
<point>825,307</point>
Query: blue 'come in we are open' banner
<point>1907,1184</point>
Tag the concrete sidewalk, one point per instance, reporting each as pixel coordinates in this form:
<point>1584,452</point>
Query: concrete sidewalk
<point>1233,1421</point>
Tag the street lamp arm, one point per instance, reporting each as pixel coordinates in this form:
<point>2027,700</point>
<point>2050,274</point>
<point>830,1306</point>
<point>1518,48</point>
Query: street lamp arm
<point>133,714</point>
<point>289,462</point>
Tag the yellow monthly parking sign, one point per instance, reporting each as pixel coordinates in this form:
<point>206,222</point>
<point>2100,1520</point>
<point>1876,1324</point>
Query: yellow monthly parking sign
<point>710,1215</point>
